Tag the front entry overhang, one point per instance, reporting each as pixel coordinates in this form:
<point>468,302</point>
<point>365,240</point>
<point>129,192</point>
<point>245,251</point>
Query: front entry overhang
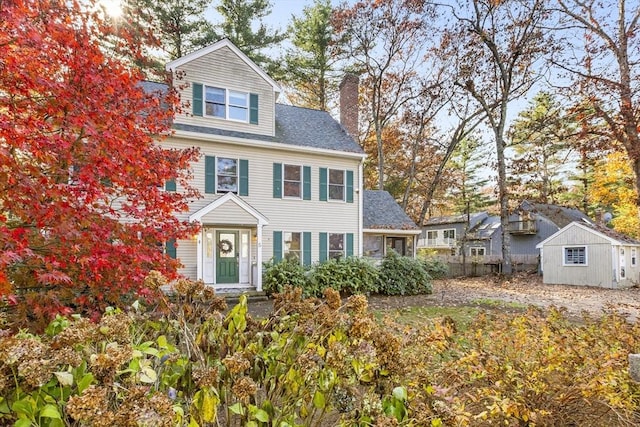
<point>258,220</point>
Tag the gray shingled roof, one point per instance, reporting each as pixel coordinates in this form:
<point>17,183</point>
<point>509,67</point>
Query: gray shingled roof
<point>295,126</point>
<point>455,219</point>
<point>622,238</point>
<point>559,215</point>
<point>381,211</point>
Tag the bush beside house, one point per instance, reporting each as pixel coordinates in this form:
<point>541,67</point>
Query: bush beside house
<point>396,275</point>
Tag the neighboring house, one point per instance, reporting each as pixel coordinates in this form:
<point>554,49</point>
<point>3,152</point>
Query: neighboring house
<point>534,222</point>
<point>277,181</point>
<point>588,254</point>
<point>444,234</point>
<point>386,226</point>
<point>529,225</point>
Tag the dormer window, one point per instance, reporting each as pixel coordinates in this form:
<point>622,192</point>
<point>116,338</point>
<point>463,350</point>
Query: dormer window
<point>216,102</point>
<point>225,104</point>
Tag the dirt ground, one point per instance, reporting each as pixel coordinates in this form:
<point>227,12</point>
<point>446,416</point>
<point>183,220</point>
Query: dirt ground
<point>526,289</point>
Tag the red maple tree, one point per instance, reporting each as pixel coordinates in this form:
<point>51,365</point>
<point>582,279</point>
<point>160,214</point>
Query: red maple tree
<point>83,213</point>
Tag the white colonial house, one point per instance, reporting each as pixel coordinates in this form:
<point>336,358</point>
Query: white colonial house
<point>277,181</point>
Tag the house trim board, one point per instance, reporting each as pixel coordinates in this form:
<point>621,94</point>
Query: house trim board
<point>391,231</point>
<point>266,144</point>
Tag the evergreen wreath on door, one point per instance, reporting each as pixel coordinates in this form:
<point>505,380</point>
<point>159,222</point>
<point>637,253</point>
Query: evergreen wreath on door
<point>225,246</point>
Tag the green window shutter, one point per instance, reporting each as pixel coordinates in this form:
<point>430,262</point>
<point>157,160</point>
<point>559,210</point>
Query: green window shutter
<point>170,185</point>
<point>306,248</point>
<point>306,182</point>
<point>277,246</point>
<point>349,186</point>
<point>277,180</point>
<point>210,174</point>
<point>349,244</point>
<point>323,184</point>
<point>253,108</point>
<point>197,99</point>
<point>324,252</point>
<point>171,249</point>
<point>244,178</point>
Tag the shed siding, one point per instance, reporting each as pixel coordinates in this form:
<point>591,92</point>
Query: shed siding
<point>599,270</point>
<point>223,68</point>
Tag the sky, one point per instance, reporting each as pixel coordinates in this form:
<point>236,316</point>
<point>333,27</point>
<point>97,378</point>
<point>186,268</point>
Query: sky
<point>281,12</point>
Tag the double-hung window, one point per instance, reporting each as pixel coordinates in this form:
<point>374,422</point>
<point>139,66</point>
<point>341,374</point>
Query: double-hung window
<point>227,171</point>
<point>449,236</point>
<point>292,246</point>
<point>432,238</point>
<point>336,246</point>
<point>227,104</point>
<point>336,184</point>
<point>575,255</point>
<point>238,106</point>
<point>292,181</point>
<point>226,175</point>
<point>216,102</point>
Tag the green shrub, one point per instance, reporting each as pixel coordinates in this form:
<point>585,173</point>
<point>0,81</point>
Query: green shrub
<point>351,276</point>
<point>277,275</point>
<point>403,276</point>
<point>436,268</point>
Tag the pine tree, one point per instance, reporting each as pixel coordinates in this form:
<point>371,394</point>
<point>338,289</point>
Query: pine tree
<point>540,143</point>
<point>310,63</point>
<point>238,17</point>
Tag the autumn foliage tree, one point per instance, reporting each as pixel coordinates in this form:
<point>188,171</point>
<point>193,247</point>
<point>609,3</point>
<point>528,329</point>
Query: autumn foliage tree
<point>499,44</point>
<point>83,214</point>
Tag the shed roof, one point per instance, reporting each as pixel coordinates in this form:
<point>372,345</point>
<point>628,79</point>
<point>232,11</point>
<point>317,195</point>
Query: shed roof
<point>612,236</point>
<point>381,211</point>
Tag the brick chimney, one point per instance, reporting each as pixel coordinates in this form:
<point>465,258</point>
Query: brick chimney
<point>349,104</point>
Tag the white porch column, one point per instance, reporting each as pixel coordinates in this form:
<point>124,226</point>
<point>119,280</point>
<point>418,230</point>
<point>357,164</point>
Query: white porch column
<point>199,254</point>
<point>259,257</point>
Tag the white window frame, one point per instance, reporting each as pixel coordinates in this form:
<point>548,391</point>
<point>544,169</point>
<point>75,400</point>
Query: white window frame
<point>286,244</point>
<point>218,175</point>
<point>574,264</point>
<point>634,257</point>
<point>285,181</point>
<point>343,185</point>
<point>228,105</point>
<point>477,249</point>
<point>449,240</point>
<point>432,241</point>
<point>342,251</point>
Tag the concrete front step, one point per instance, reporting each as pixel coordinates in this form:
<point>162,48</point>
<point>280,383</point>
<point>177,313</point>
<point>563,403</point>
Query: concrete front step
<point>232,295</point>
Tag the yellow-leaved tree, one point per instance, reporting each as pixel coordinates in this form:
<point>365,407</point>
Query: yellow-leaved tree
<point>613,189</point>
